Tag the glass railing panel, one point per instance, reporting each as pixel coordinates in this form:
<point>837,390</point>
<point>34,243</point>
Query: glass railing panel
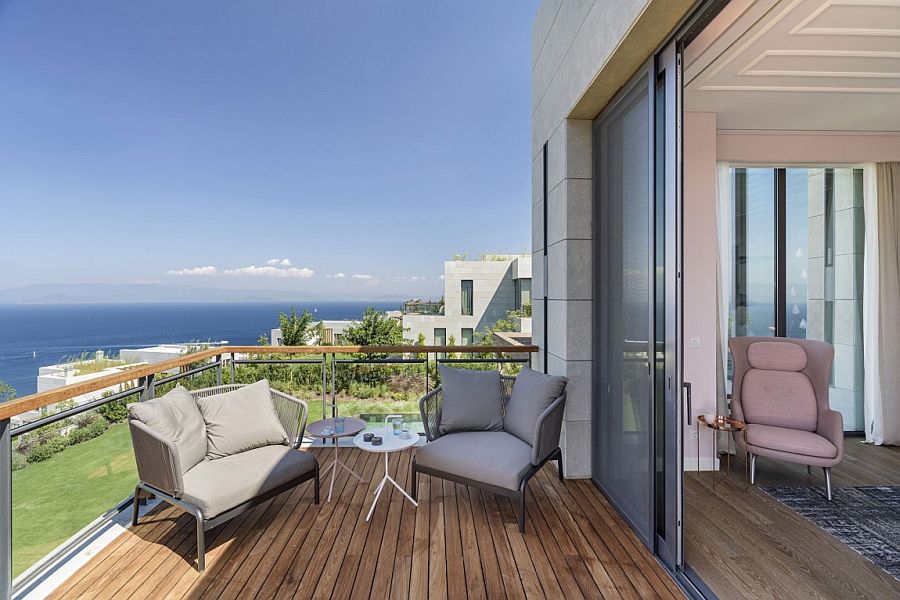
<point>65,476</point>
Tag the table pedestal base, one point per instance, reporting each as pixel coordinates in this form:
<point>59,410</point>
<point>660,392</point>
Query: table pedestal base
<point>387,478</point>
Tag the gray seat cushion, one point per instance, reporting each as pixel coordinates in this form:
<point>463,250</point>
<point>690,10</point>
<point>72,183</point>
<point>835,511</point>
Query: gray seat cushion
<point>241,420</point>
<point>532,393</point>
<point>175,417</point>
<point>219,485</point>
<point>493,457</point>
<point>472,400</point>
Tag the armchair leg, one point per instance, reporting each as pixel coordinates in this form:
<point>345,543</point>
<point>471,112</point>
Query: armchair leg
<point>827,481</point>
<point>201,545</point>
<point>522,489</point>
<point>809,469</point>
<point>316,483</point>
<point>415,482</point>
<point>752,469</point>
<point>559,465</point>
<point>135,506</point>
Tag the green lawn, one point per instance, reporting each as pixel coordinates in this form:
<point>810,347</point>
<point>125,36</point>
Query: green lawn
<point>54,499</point>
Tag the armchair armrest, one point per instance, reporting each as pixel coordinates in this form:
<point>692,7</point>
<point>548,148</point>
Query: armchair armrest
<point>292,413</point>
<point>547,430</point>
<point>831,427</point>
<point>157,459</point>
<point>430,407</point>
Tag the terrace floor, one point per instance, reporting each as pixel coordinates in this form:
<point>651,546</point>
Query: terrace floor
<point>459,543</point>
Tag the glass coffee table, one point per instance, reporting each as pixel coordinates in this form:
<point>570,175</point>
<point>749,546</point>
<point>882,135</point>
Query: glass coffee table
<point>326,430</point>
<point>390,443</point>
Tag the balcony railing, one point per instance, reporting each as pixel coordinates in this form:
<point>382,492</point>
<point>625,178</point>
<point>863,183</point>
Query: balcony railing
<point>51,518</point>
<point>420,307</point>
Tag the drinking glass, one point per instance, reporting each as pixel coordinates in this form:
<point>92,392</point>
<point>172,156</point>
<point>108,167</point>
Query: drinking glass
<point>339,424</point>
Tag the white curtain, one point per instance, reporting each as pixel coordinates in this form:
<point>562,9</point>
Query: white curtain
<point>881,310</point>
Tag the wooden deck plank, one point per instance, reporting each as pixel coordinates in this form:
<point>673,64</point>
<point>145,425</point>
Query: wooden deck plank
<point>460,543</point>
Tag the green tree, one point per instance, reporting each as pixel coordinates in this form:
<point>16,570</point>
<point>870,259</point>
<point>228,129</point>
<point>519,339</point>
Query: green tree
<point>374,329</point>
<point>7,392</point>
<point>295,331</point>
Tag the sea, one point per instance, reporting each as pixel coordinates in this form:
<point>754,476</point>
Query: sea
<point>33,336</point>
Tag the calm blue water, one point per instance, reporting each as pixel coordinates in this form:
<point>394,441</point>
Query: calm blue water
<point>54,332</point>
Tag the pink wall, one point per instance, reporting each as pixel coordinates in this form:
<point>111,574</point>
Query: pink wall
<point>700,269</point>
<point>824,148</point>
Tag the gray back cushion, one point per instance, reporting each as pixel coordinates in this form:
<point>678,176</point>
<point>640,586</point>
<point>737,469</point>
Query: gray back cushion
<point>472,400</point>
<point>241,420</point>
<point>175,417</point>
<point>532,393</point>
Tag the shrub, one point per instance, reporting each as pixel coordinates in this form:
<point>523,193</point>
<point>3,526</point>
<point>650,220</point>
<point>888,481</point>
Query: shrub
<point>58,444</point>
<point>19,461</point>
<point>88,432</point>
<point>115,411</point>
<point>40,453</point>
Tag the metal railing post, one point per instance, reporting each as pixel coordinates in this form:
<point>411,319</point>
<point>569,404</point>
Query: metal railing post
<point>218,369</point>
<point>233,370</point>
<point>324,382</point>
<point>149,391</point>
<point>427,382</point>
<point>6,579</point>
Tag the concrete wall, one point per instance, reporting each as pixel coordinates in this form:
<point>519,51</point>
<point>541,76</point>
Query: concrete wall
<point>583,52</point>
<point>493,286</point>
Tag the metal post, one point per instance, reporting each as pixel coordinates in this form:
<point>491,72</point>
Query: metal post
<point>324,382</point>
<point>6,509</point>
<point>233,370</point>
<point>219,369</point>
<point>427,383</point>
<point>149,388</point>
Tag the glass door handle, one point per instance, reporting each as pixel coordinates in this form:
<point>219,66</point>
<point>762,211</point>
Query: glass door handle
<point>688,418</point>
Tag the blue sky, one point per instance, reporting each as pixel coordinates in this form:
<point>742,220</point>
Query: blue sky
<point>140,140</point>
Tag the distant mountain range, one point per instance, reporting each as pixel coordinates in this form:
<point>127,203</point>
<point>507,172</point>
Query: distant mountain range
<point>153,292</point>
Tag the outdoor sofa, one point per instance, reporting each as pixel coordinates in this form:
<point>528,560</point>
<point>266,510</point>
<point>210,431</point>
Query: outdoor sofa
<point>490,431</point>
<point>217,452</point>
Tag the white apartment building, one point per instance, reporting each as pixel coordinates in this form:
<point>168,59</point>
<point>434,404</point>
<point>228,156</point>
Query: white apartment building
<point>477,293</point>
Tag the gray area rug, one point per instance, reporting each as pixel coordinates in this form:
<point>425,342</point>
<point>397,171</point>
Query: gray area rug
<point>866,518</point>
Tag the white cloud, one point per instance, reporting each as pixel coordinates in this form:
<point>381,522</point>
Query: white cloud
<point>362,276</point>
<point>411,278</point>
<point>337,275</point>
<point>441,277</point>
<point>283,262</point>
<point>209,270</point>
<point>254,271</point>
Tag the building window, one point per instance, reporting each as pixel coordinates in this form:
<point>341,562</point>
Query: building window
<point>797,265</point>
<point>467,336</point>
<point>440,339</point>
<point>523,295</point>
<point>467,301</point>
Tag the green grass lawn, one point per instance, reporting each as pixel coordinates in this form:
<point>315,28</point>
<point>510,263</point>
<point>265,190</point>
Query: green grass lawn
<point>54,499</point>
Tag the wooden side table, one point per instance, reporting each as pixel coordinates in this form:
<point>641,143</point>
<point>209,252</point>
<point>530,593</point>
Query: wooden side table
<point>320,429</point>
<point>725,425</point>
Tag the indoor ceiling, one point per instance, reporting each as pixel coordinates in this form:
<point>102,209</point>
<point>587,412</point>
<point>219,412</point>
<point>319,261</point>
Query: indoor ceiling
<point>799,65</point>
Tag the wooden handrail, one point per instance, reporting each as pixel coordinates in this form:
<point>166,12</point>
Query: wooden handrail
<point>42,399</point>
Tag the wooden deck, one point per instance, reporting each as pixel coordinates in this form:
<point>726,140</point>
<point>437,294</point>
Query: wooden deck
<point>747,545</point>
<point>459,543</point>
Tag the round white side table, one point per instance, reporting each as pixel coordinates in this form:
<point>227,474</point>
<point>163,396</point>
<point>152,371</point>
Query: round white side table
<point>390,443</point>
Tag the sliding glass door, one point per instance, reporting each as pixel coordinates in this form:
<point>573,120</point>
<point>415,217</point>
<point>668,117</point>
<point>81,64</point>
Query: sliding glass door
<point>636,432</point>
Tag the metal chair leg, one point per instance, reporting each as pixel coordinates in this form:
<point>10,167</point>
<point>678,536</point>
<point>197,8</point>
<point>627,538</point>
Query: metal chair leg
<point>316,483</point>
<point>136,506</point>
<point>752,469</point>
<point>522,490</point>
<point>415,483</point>
<point>827,481</point>
<point>559,465</point>
<point>201,545</point>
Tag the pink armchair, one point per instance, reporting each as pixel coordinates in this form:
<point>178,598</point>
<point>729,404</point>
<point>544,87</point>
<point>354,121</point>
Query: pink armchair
<point>780,390</point>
